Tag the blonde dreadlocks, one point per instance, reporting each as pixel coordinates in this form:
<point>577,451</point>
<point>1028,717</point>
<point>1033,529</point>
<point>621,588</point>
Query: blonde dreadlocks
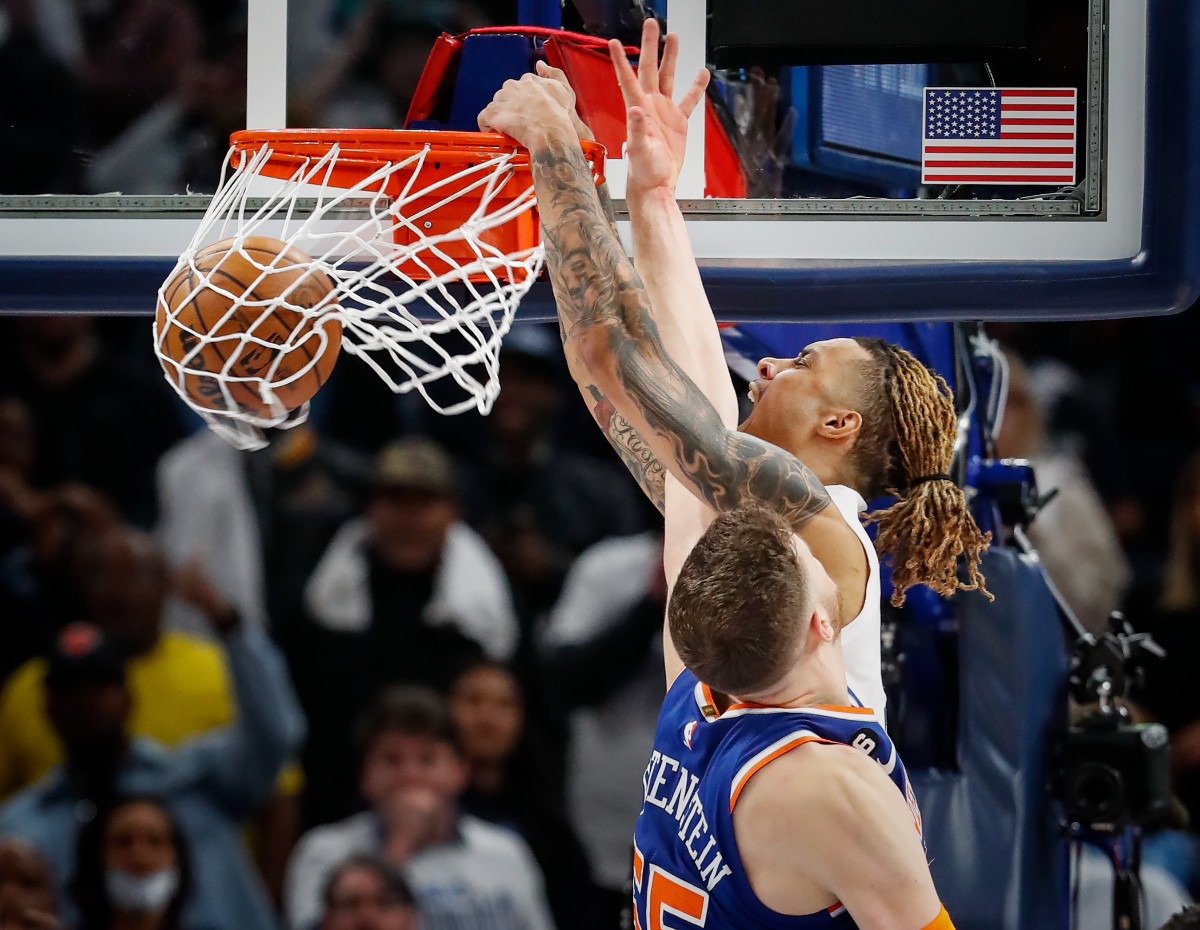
<point>905,448</point>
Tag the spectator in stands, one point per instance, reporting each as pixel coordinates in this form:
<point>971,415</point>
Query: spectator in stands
<point>463,871</point>
<point>210,783</point>
<point>411,567</point>
<point>368,77</point>
<point>26,888</point>
<point>179,683</point>
<point>179,140</point>
<point>95,421</point>
<point>39,531</point>
<point>536,504</point>
<point>135,52</point>
<point>368,893</point>
<point>258,521</point>
<point>402,595</point>
<point>602,650</point>
<point>1073,534</point>
<point>133,870</point>
<point>513,781</point>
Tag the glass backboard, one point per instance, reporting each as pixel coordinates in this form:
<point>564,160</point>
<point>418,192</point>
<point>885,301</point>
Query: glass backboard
<point>828,107</point>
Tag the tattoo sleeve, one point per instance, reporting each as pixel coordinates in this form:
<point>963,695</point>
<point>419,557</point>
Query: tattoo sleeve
<point>603,309</point>
<point>634,451</point>
<point>606,205</point>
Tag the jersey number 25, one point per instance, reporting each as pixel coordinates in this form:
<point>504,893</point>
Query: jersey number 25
<point>661,893</point>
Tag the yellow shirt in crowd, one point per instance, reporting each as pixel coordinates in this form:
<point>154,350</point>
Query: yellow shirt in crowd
<point>180,689</point>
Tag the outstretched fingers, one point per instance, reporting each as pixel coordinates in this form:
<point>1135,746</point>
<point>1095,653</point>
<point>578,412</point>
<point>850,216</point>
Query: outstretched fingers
<point>637,87</point>
<point>666,67</point>
<point>695,93</point>
<point>648,60</point>
<point>627,79</point>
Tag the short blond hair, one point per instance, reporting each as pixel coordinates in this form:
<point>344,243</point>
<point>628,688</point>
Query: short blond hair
<point>736,612</point>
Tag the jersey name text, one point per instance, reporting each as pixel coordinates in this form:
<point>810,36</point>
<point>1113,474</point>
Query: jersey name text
<point>670,786</point>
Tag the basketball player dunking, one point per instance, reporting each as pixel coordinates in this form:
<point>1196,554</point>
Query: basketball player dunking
<point>864,416</point>
<point>612,338</point>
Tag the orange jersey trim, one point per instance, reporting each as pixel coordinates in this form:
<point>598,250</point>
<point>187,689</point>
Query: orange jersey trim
<point>941,922</point>
<point>785,748</point>
<point>842,709</point>
<point>838,708</point>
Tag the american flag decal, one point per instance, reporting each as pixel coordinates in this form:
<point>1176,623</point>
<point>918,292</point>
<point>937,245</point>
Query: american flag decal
<point>1002,135</point>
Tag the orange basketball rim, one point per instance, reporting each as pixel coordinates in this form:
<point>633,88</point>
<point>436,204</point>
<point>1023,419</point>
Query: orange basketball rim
<point>429,177</point>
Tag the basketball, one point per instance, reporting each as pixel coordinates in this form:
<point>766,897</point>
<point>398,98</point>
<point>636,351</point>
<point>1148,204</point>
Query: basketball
<point>231,324</point>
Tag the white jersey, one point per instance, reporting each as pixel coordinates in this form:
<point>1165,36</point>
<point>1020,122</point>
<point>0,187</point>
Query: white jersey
<point>860,636</point>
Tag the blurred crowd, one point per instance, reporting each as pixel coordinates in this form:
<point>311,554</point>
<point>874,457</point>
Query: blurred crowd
<point>398,666</point>
<point>395,667</point>
<point>140,96</point>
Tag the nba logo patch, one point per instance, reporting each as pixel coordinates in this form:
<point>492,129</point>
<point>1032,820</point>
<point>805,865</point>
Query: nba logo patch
<point>689,731</point>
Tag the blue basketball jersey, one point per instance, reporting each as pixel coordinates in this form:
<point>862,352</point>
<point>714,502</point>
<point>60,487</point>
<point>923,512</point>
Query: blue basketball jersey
<point>687,872</point>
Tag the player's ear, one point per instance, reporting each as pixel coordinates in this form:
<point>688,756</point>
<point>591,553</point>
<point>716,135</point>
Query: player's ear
<point>821,625</point>
<point>839,425</point>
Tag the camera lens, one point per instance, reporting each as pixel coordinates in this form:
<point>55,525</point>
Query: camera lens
<point>1095,794</point>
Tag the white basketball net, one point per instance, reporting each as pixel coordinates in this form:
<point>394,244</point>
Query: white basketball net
<point>447,321</point>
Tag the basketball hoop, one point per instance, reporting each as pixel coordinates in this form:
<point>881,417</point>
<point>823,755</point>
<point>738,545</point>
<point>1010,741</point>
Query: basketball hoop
<point>430,240</point>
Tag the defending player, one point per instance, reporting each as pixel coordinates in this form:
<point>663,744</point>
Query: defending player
<point>865,416</point>
<point>790,807</point>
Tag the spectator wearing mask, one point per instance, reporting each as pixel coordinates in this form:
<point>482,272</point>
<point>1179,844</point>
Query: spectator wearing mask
<point>211,782</point>
<point>367,893</point>
<point>513,781</point>
<point>403,595</point>
<point>26,888</point>
<point>133,871</point>
<point>179,682</point>
<point>464,872</point>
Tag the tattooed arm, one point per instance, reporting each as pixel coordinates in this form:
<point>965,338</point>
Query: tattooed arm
<point>635,453</point>
<point>608,330</point>
<point>633,450</point>
<point>606,323</point>
<point>663,257</point>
